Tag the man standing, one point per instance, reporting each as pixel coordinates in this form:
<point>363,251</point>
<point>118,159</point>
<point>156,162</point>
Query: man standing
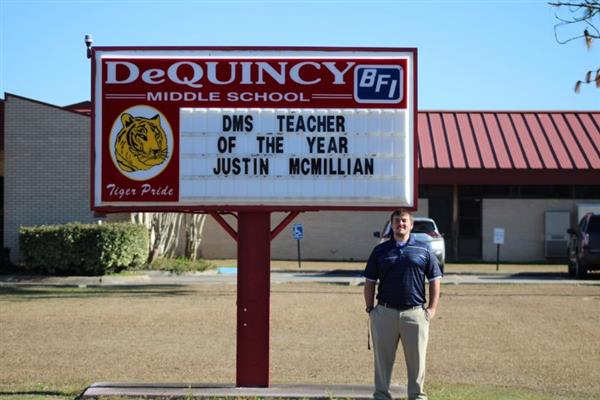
<point>401,265</point>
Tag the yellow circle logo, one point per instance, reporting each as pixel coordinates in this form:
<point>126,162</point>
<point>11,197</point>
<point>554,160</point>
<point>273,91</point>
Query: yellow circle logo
<point>141,142</point>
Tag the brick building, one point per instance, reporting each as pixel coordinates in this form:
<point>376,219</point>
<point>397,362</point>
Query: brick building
<point>46,167</point>
<point>477,170</point>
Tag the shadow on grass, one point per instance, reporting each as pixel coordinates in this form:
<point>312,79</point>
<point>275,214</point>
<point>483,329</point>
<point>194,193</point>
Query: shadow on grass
<point>21,293</point>
<point>342,273</point>
<point>45,393</point>
<point>592,276</point>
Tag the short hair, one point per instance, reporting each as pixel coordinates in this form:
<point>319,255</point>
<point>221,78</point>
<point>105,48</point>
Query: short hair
<point>401,211</point>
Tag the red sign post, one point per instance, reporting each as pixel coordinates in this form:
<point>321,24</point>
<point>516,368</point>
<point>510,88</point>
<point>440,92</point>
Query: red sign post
<point>252,131</point>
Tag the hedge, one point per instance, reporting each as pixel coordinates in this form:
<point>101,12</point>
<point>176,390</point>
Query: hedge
<point>84,249</point>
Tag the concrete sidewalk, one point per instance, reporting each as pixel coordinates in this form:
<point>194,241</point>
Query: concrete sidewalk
<point>341,277</point>
<point>211,391</point>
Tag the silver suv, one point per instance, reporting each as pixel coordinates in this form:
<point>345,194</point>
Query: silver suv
<point>424,230</point>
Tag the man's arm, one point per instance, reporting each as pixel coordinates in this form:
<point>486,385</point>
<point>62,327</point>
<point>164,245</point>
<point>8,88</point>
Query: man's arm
<point>369,293</point>
<point>434,296</point>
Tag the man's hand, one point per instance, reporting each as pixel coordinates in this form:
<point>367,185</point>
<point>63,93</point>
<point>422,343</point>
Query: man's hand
<point>369,293</point>
<point>434,297</point>
<point>430,312</point>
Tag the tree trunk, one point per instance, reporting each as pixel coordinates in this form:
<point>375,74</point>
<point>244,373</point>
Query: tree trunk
<point>193,235</point>
<point>168,230</point>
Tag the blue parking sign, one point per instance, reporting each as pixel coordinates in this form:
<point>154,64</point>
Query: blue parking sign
<point>297,231</point>
<point>378,84</point>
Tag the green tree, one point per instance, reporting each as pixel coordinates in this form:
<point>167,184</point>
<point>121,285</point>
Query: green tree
<point>584,17</point>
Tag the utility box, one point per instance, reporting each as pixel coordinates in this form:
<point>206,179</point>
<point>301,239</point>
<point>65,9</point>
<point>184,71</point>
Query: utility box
<point>556,236</point>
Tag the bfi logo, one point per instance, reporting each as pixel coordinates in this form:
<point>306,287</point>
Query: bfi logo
<point>378,84</point>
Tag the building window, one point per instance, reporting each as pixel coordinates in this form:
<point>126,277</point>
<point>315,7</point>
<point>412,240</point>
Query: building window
<point>545,191</point>
<point>587,192</point>
<point>513,191</point>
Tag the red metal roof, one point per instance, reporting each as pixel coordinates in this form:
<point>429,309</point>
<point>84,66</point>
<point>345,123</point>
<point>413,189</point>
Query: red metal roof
<point>500,147</point>
<point>84,107</point>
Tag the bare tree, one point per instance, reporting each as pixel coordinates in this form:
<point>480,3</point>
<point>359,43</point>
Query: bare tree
<point>585,16</point>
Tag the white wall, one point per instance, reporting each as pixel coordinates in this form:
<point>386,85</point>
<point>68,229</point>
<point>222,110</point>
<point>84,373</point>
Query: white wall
<point>328,235</point>
<point>523,223</point>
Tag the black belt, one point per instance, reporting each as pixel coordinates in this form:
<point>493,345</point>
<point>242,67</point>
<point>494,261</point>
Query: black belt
<point>397,308</point>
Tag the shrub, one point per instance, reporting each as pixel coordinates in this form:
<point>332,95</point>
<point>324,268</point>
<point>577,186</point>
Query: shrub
<point>180,265</point>
<point>86,249</point>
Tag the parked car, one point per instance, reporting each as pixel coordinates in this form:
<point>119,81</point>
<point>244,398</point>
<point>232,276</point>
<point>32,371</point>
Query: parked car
<point>584,246</point>
<point>425,230</point>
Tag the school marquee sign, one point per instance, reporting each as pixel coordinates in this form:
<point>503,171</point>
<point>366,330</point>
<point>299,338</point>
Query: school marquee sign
<point>233,128</point>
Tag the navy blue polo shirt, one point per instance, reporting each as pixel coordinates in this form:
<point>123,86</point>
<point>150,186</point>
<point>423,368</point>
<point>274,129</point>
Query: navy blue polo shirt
<point>401,270</point>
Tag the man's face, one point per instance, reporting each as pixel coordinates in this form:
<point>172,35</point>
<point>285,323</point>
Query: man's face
<point>401,225</point>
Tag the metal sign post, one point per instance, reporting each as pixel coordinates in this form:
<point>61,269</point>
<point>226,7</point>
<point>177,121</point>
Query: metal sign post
<point>253,293</point>
<point>498,240</point>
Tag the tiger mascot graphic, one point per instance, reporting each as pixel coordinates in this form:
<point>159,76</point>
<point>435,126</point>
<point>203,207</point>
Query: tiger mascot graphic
<point>141,144</point>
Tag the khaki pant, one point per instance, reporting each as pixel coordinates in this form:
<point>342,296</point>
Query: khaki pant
<point>412,328</point>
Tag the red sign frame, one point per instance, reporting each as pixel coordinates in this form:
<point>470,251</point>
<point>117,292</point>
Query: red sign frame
<point>184,77</point>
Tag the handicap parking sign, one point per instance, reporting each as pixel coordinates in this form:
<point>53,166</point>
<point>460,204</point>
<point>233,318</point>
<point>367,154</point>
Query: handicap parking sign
<point>297,231</point>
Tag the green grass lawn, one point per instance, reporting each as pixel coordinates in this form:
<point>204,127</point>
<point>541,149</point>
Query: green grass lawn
<point>529,342</point>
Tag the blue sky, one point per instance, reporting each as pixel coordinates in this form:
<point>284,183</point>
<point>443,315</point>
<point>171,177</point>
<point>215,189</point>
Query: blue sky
<point>473,55</point>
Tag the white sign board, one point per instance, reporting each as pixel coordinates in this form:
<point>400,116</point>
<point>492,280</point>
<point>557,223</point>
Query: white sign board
<point>351,157</point>
<point>498,235</point>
